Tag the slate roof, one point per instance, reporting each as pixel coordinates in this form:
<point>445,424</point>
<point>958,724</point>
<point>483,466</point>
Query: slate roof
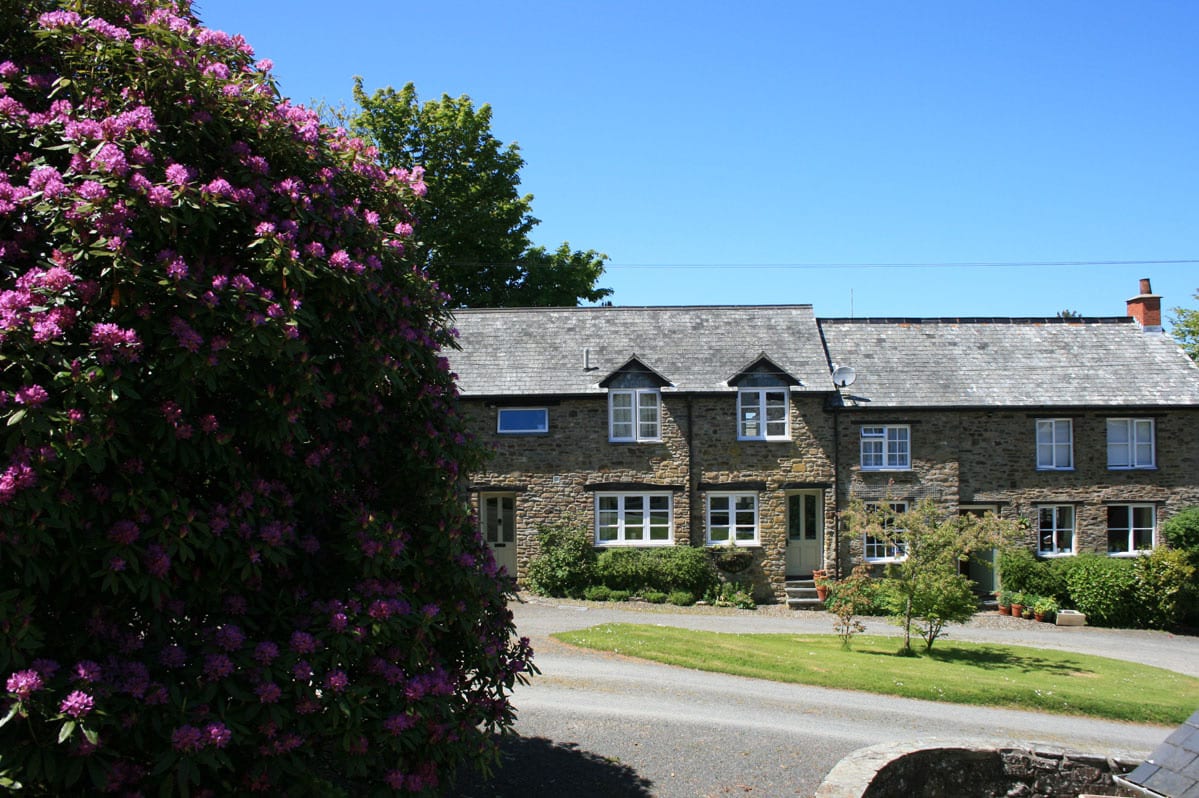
<point>540,351</point>
<point>1173,768</point>
<point>1009,362</point>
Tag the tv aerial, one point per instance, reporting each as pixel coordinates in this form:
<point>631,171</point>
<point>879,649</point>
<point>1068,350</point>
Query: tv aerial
<point>843,376</point>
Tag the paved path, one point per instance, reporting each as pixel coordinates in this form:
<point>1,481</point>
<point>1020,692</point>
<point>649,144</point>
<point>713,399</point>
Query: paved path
<point>595,724</point>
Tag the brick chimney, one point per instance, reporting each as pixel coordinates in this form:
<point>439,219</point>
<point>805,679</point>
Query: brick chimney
<point>1146,308</point>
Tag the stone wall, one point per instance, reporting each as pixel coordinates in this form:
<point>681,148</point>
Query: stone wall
<point>970,457</point>
<point>959,457</point>
<point>555,476</point>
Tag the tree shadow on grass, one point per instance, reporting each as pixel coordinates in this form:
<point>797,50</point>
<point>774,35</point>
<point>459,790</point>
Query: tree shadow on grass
<point>534,767</point>
<point>993,658</point>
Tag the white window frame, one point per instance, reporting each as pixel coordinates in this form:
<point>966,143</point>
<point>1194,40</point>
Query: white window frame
<point>628,518</point>
<point>875,550</point>
<point>1052,443</point>
<point>733,527</point>
<point>540,429</point>
<point>639,402</point>
<point>1130,531</point>
<point>886,447</point>
<point>1138,449</point>
<point>1056,529</point>
<point>754,409</point>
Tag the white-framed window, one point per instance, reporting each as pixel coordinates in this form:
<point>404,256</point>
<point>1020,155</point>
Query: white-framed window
<point>1131,529</point>
<point>732,517</point>
<point>887,448</point>
<point>888,549</point>
<point>523,420</point>
<point>634,415</point>
<point>1130,443</point>
<point>762,414</point>
<point>1055,444</point>
<point>636,519</point>
<point>1055,530</point>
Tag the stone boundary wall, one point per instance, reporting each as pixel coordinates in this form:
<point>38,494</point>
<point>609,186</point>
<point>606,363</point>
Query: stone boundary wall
<point>1008,770</point>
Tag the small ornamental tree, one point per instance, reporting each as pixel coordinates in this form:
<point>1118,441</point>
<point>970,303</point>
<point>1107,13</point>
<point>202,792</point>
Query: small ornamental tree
<point>923,589</point>
<point>233,552</point>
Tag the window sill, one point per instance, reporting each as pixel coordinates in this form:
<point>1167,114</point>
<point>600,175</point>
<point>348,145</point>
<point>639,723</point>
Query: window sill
<point>1130,555</point>
<point>1050,555</point>
<point>1132,468</point>
<point>1051,470</point>
<point>724,544</point>
<point>632,544</point>
<point>882,560</point>
<point>885,468</point>
<point>770,439</point>
<point>631,441</point>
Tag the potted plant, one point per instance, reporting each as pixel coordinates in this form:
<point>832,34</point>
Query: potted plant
<point>1017,604</point>
<point>1004,600</point>
<point>822,584</point>
<point>1045,608</point>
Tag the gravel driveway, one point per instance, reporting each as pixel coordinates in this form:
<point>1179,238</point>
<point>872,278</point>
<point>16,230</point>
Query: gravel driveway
<point>595,724</point>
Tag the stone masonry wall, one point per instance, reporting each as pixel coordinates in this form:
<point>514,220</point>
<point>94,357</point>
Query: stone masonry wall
<point>989,458</point>
<point>555,476</point>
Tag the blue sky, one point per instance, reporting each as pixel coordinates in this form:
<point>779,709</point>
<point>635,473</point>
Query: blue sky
<point>765,152</point>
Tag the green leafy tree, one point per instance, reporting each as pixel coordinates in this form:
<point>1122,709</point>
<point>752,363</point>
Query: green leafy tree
<point>1185,326</point>
<point>234,553</point>
<point>923,590</point>
<point>474,225</point>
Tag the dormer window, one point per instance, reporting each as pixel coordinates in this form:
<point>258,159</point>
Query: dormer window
<point>634,403</point>
<point>763,401</point>
<point>762,414</point>
<point>634,415</point>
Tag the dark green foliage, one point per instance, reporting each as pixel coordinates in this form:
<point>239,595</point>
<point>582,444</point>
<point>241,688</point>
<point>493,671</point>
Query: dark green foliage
<point>566,564</point>
<point>1105,589</point>
<point>1181,531</point>
<point>655,596</point>
<point>1020,571</point>
<point>1166,590</point>
<point>661,569</point>
<point>620,595</point>
<point>681,598</point>
<point>474,222</point>
<point>597,593</point>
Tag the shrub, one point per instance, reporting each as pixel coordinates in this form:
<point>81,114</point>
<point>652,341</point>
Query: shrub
<point>663,569</point>
<point>1165,588</point>
<point>655,596</point>
<point>597,593</point>
<point>622,569</point>
<point>234,557</point>
<point>565,565</point>
<point>1105,589</point>
<point>619,595</point>
<point>681,598</point>
<point>849,597</point>
<point>1181,531</point>
<point>731,594</point>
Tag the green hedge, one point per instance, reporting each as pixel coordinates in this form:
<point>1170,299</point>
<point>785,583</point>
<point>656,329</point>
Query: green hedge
<point>662,570</point>
<point>566,564</point>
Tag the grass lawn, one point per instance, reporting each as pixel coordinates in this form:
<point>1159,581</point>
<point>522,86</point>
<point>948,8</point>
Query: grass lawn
<point>961,673</point>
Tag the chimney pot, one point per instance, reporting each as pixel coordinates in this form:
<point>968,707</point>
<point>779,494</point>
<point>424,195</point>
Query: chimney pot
<point>1146,308</point>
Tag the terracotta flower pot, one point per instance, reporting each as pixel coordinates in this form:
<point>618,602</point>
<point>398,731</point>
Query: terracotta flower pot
<point>1017,610</point>
<point>1005,609</point>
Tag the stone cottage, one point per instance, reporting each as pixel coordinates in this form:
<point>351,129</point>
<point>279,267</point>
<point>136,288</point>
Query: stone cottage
<point>755,426</point>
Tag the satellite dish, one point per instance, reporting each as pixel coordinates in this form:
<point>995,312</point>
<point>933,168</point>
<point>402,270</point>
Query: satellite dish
<point>844,376</point>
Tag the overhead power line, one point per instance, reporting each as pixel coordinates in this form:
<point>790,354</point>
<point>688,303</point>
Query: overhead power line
<point>954,265</point>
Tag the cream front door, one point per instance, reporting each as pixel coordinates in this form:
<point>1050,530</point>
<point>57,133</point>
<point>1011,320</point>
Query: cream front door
<point>497,515</point>
<point>805,533</point>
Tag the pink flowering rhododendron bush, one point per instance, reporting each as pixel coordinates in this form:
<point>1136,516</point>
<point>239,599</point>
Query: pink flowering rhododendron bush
<point>234,556</point>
